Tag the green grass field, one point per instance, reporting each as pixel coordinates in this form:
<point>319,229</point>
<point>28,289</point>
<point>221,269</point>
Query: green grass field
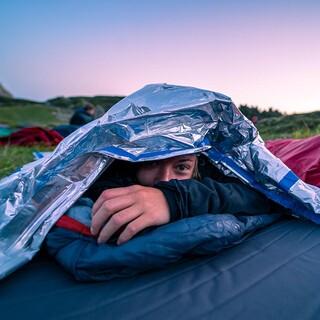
<point>29,115</point>
<point>291,126</point>
<point>33,115</point>
<point>12,157</point>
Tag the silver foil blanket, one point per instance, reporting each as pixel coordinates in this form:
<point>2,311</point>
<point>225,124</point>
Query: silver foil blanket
<point>156,122</point>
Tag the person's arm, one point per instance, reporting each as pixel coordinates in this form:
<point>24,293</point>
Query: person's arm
<point>192,197</point>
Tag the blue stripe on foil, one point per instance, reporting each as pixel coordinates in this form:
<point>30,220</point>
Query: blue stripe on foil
<point>284,199</point>
<point>288,180</point>
<point>38,154</point>
<point>112,150</point>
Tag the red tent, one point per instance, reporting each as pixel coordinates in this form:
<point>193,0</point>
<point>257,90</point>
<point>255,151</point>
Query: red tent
<point>302,156</point>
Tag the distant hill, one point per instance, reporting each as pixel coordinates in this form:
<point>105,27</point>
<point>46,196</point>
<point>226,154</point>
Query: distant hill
<point>25,113</point>
<point>104,102</point>
<point>74,102</point>
<point>254,112</point>
<point>274,124</point>
<point>299,125</point>
<point>7,102</point>
<point>271,123</point>
<point>4,92</point>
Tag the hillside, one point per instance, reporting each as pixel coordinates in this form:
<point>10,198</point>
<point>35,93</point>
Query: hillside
<point>290,126</point>
<point>22,113</point>
<point>104,102</point>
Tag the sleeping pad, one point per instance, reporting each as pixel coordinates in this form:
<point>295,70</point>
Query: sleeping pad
<point>273,274</point>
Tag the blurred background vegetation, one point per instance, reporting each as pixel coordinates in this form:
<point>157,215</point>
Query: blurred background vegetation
<point>273,124</point>
<point>21,113</point>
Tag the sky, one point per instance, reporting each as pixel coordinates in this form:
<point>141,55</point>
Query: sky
<point>260,53</point>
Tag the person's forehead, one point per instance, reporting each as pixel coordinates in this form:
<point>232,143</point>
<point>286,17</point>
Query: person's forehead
<point>189,157</point>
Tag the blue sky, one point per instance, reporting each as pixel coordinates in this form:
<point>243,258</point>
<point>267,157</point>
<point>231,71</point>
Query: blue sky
<point>257,52</point>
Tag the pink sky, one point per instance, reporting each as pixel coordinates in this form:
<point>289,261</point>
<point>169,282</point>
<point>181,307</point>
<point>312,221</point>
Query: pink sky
<point>265,54</point>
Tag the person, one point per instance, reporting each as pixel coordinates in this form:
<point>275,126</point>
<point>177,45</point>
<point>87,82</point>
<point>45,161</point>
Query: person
<point>122,224</point>
<point>83,115</point>
<point>153,193</point>
<point>80,117</point>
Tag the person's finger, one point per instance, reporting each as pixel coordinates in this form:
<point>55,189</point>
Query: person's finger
<point>111,194</point>
<point>117,221</point>
<point>134,227</point>
<point>107,209</point>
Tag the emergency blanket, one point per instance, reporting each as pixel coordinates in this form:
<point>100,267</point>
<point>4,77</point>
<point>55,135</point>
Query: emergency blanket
<point>156,122</point>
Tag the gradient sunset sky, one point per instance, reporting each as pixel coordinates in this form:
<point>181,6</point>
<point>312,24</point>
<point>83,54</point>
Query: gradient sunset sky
<point>264,53</point>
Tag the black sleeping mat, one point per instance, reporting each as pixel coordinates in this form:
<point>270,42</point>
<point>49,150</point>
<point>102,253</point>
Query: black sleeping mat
<point>274,274</point>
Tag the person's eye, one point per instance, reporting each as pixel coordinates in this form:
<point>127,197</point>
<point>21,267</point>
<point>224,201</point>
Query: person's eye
<point>183,168</point>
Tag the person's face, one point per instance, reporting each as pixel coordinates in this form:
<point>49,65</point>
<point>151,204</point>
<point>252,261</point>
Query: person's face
<point>180,167</point>
<point>91,112</point>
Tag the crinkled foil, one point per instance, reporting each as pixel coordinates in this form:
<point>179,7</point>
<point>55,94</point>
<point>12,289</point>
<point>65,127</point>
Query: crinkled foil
<point>156,122</point>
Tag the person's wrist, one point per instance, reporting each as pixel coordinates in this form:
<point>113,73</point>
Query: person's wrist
<point>169,194</point>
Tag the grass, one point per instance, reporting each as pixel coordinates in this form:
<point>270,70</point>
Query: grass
<point>14,157</point>
<point>301,133</point>
<point>33,115</point>
<point>291,126</point>
<point>27,115</point>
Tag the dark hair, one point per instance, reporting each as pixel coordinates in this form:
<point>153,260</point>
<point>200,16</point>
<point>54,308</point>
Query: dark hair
<point>196,172</point>
<point>89,106</point>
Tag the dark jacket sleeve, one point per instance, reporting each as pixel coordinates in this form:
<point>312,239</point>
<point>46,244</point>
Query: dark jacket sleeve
<point>101,185</point>
<point>192,197</point>
<point>81,118</point>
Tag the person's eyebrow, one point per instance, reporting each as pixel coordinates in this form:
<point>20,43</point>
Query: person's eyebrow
<point>185,160</point>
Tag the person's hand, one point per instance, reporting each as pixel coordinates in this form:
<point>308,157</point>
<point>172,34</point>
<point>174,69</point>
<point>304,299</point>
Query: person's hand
<point>135,207</point>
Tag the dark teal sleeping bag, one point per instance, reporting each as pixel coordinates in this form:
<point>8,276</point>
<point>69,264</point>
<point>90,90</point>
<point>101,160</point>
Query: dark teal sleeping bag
<point>201,235</point>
